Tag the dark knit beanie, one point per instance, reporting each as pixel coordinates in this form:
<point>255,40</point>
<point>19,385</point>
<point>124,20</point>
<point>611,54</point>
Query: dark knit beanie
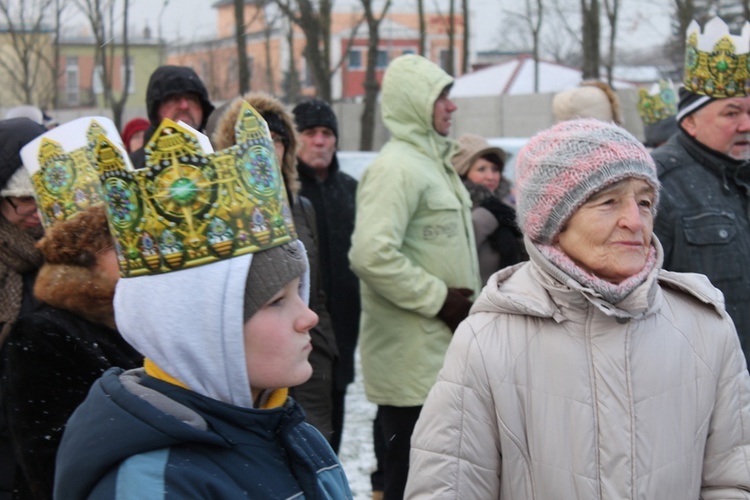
<point>562,167</point>
<point>15,133</point>
<point>270,271</point>
<point>276,125</point>
<point>690,102</point>
<point>315,113</point>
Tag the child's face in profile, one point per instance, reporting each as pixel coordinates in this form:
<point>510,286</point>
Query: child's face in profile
<point>277,341</point>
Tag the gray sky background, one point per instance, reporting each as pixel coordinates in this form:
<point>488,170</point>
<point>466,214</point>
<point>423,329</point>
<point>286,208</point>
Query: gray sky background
<point>643,23</point>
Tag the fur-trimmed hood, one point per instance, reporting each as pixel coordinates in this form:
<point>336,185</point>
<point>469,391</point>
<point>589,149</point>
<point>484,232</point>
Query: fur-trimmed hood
<point>69,278</point>
<point>264,103</point>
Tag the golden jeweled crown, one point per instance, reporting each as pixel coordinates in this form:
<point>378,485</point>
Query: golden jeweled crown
<point>63,168</point>
<point>716,62</point>
<point>657,103</point>
<point>189,207</point>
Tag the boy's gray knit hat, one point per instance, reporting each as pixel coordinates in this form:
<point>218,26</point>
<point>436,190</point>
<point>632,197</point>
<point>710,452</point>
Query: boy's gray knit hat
<point>270,271</point>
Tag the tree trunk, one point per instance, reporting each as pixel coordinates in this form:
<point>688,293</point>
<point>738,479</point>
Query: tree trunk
<point>371,85</point>
<point>422,29</point>
<point>467,36</point>
<point>292,77</point>
<point>451,69</point>
<point>590,42</point>
<point>612,8</point>
<point>239,38</point>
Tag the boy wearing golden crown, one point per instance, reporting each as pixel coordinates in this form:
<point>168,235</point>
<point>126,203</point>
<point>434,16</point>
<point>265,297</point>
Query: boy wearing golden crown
<point>703,220</point>
<point>214,293</point>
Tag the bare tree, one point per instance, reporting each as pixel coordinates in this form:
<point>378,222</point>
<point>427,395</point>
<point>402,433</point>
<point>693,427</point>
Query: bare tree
<point>467,35</point>
<point>316,25</point>
<point>53,97</point>
<point>269,26</point>
<point>451,62</point>
<point>291,81</point>
<point>590,44</point>
<point>611,7</point>
<point>372,87</point>
<point>239,36</point>
<point>533,18</point>
<point>24,64</point>
<point>422,28</point>
<point>102,15</point>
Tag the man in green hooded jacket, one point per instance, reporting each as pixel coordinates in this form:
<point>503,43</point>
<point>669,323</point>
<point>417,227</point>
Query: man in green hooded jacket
<point>414,253</point>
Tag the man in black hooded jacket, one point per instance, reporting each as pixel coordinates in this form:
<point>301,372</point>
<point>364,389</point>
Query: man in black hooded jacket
<point>174,92</point>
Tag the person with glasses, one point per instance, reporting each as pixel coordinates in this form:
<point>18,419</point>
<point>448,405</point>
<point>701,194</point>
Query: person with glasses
<point>20,228</point>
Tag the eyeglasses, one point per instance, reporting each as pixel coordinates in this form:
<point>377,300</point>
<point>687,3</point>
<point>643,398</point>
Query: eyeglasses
<point>24,206</point>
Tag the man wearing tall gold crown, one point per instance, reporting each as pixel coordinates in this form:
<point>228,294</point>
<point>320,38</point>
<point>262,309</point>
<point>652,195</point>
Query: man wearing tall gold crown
<point>704,168</point>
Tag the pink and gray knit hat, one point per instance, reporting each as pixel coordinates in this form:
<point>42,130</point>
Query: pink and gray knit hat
<point>562,167</point>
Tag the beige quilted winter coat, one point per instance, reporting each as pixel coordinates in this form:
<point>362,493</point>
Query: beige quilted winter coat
<point>548,392</point>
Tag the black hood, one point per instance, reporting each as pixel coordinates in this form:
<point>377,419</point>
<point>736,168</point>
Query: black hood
<point>15,133</point>
<point>166,81</point>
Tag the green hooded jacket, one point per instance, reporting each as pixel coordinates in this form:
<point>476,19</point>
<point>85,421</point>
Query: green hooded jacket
<point>413,239</point>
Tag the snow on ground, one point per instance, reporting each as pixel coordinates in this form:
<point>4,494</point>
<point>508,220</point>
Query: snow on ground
<point>356,453</point>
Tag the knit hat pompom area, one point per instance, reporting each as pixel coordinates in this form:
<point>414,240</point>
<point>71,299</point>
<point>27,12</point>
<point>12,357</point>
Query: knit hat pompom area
<point>562,167</point>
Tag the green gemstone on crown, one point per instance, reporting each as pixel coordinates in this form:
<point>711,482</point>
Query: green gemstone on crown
<point>183,191</point>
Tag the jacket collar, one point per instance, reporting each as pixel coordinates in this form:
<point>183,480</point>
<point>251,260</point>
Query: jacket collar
<point>723,166</point>
<point>307,173</point>
<point>538,288</point>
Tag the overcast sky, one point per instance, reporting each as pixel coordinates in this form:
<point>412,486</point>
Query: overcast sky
<point>642,22</point>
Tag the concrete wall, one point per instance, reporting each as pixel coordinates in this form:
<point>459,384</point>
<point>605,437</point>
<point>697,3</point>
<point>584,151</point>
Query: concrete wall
<point>499,116</point>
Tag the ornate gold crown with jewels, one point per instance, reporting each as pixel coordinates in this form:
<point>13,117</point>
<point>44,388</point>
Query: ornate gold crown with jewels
<point>716,62</point>
<point>190,207</point>
<point>657,103</point>
<point>63,168</point>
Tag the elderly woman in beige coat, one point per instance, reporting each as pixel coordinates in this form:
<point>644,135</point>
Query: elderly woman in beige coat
<point>588,372</point>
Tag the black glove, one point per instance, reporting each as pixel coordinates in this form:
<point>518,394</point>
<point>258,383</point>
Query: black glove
<point>456,307</point>
<point>505,215</point>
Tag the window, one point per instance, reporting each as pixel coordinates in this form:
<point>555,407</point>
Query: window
<point>72,89</point>
<point>355,59</point>
<point>408,51</point>
<point>382,59</point>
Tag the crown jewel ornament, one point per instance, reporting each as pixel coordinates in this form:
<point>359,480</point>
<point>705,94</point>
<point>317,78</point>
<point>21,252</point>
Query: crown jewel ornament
<point>191,206</point>
<point>716,62</point>
<point>63,169</point>
<point>657,103</point>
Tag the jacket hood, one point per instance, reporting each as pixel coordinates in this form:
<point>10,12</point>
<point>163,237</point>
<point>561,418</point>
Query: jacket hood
<point>537,288</point>
<point>190,324</point>
<point>166,81</point>
<point>223,135</point>
<point>411,86</point>
<point>15,133</point>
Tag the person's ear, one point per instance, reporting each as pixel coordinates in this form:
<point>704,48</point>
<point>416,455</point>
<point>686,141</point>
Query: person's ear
<point>690,125</point>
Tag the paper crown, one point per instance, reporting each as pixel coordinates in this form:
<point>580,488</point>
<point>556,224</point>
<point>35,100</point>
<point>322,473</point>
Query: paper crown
<point>657,103</point>
<point>716,62</point>
<point>191,206</point>
<point>63,169</point>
